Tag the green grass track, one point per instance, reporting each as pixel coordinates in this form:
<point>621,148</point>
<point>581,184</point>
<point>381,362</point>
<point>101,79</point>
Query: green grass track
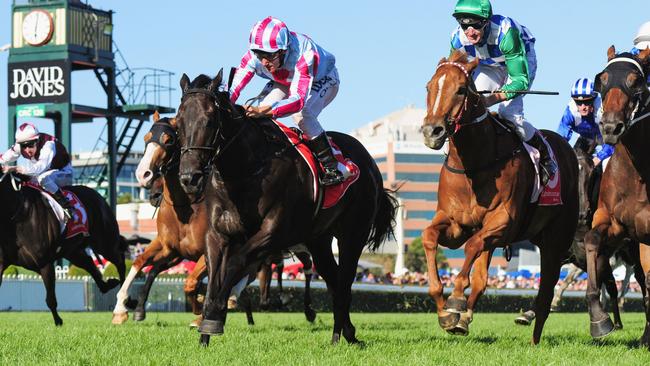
<point>287,339</point>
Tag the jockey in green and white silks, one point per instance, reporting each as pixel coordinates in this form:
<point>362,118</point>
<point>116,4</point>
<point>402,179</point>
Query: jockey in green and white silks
<point>507,62</point>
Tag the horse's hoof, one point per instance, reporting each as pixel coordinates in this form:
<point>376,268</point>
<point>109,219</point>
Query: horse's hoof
<point>456,305</point>
<point>232,303</point>
<point>525,318</point>
<point>448,321</point>
<point>120,318</point>
<point>139,316</point>
<point>336,337</point>
<point>211,327</point>
<point>461,328</point>
<point>58,322</point>
<point>112,283</point>
<point>601,328</point>
<point>310,314</point>
<point>204,341</point>
<point>618,326</point>
<point>196,322</point>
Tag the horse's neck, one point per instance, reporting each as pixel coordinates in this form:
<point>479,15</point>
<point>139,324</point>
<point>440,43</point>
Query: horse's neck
<point>478,146</point>
<point>635,143</point>
<point>242,149</point>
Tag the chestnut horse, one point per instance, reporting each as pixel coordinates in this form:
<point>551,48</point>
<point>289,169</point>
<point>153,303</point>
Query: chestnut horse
<point>181,225</point>
<point>259,194</point>
<point>623,206</point>
<point>485,190</point>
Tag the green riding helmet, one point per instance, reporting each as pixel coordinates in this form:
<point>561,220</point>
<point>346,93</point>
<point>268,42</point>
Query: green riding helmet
<point>478,8</point>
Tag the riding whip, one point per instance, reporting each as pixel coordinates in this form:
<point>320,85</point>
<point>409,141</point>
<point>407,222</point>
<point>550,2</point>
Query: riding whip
<point>518,92</point>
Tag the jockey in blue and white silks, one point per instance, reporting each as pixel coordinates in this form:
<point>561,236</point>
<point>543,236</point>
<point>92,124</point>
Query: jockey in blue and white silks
<point>507,63</point>
<point>303,81</point>
<point>581,116</point>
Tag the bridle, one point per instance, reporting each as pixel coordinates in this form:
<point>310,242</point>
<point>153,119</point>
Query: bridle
<point>213,146</point>
<point>628,64</point>
<point>158,131</point>
<point>453,123</point>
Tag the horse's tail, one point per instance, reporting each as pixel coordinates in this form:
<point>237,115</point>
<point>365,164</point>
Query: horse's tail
<point>384,224</point>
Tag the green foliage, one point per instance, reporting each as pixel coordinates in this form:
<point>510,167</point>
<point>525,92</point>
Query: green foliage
<point>17,270</point>
<point>124,198</point>
<point>415,259</point>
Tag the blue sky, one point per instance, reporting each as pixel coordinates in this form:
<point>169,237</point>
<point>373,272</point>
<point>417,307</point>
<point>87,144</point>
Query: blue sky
<point>386,51</point>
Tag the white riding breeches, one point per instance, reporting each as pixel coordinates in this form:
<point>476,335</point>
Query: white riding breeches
<point>51,180</point>
<point>494,78</point>
<point>321,94</point>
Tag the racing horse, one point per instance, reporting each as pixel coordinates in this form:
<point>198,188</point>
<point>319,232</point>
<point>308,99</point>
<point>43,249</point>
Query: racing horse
<point>32,237</point>
<point>259,193</point>
<point>588,183</point>
<point>485,191</point>
<point>623,206</point>
<point>181,225</point>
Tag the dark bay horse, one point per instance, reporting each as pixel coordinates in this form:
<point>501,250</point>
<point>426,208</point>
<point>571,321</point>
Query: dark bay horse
<point>31,236</point>
<point>260,199</point>
<point>485,190</point>
<point>181,231</point>
<point>181,225</point>
<point>623,206</point>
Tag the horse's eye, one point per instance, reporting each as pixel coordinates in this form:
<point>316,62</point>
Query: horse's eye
<point>462,90</point>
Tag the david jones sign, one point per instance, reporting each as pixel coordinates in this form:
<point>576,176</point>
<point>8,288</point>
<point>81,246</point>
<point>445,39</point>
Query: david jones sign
<point>39,82</point>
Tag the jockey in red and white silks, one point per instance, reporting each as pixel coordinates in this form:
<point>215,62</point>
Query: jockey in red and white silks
<point>303,81</point>
<point>47,162</point>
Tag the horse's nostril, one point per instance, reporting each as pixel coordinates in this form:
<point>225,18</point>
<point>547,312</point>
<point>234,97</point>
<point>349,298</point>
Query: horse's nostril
<point>619,128</point>
<point>147,174</point>
<point>437,131</point>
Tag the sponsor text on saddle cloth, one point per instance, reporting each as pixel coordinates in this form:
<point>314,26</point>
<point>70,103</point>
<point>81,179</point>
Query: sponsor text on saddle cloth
<point>331,194</point>
<point>549,195</point>
<point>75,226</point>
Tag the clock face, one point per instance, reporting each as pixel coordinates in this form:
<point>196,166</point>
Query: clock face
<point>38,27</point>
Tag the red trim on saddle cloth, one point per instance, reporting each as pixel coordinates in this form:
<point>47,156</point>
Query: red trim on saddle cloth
<point>79,223</point>
<point>332,194</point>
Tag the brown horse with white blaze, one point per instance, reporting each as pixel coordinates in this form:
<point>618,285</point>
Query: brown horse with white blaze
<point>624,204</point>
<point>485,190</point>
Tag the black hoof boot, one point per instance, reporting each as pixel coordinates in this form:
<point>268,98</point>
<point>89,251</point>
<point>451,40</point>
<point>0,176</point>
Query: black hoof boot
<point>211,327</point>
<point>456,305</point>
<point>310,314</point>
<point>204,340</point>
<point>601,328</point>
<point>139,315</point>
<point>448,321</point>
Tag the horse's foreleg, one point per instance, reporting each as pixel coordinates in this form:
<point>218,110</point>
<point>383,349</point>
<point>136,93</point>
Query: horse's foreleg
<point>610,286</point>
<point>430,237</point>
<point>479,283</point>
<point>307,265</point>
<point>191,289</point>
<point>264,275</point>
<point>47,274</point>
<point>601,324</point>
<point>644,251</point>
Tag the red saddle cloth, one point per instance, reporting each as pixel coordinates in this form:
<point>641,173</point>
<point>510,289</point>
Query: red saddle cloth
<point>79,222</point>
<point>331,194</point>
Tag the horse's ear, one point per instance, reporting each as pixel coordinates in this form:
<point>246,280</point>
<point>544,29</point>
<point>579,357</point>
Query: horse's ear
<point>472,65</point>
<point>172,121</point>
<point>185,82</point>
<point>444,59</point>
<point>216,82</point>
<point>156,116</point>
<point>611,52</point>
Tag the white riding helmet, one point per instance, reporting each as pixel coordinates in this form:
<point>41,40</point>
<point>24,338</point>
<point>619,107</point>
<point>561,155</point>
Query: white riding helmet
<point>26,132</point>
<point>642,39</point>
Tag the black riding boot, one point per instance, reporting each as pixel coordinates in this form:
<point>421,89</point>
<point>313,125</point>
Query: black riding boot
<point>331,174</point>
<point>68,209</point>
<point>547,165</point>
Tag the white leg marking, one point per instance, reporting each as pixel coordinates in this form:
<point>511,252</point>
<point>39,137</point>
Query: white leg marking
<point>123,293</point>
